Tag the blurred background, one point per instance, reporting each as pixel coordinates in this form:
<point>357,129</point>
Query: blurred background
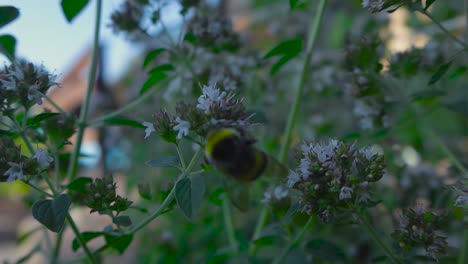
<point>45,37</point>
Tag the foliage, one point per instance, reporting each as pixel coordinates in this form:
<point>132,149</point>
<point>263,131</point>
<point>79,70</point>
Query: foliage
<point>371,134</point>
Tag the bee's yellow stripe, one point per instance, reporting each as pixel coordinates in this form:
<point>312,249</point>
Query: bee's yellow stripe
<point>217,136</point>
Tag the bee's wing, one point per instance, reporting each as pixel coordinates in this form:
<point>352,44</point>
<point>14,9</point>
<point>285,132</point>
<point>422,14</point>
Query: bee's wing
<point>238,193</point>
<point>275,168</point>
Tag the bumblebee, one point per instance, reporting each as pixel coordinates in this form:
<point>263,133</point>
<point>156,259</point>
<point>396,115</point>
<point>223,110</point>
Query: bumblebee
<point>234,154</point>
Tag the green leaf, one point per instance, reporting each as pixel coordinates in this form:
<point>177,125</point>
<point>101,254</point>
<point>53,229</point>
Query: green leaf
<point>145,191</point>
<point>35,120</point>
<point>152,80</point>
<point>287,50</point>
<point>71,8</point>
<point>184,197</point>
<point>271,230</point>
<point>119,243</point>
<point>79,184</point>
<point>170,161</point>
<point>440,72</point>
<point>8,45</point>
<point>189,195</point>
<point>161,68</point>
<point>288,47</point>
<point>198,191</point>
<point>296,4</point>
<point>153,54</point>
<point>8,14</point>
<point>122,220</point>
<point>427,94</point>
<point>428,4</point>
<point>215,196</point>
<point>117,121</point>
<point>379,259</point>
<point>458,106</point>
<point>52,213</point>
<point>325,250</point>
<point>87,236</point>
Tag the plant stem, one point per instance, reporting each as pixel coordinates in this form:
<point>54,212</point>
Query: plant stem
<point>312,37</point>
<point>313,33</point>
<point>293,242</point>
<point>228,224</point>
<point>459,41</point>
<point>464,250</point>
<point>38,189</point>
<point>132,104</point>
<point>167,201</point>
<point>58,243</point>
<point>48,99</point>
<point>373,234</point>
<point>75,229</point>
<point>73,166</point>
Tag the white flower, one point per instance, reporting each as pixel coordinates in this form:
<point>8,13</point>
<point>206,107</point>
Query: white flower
<point>325,151</point>
<point>9,85</point>
<point>210,95</point>
<point>293,178</point>
<point>43,158</point>
<point>368,152</point>
<point>279,192</point>
<point>15,172</point>
<point>266,197</point>
<point>304,167</point>
<point>35,94</point>
<point>182,128</point>
<point>149,129</point>
<point>373,5</point>
<point>345,193</point>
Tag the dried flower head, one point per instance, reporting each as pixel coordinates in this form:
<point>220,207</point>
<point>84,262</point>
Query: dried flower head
<point>419,227</point>
<point>13,165</point>
<point>101,196</point>
<point>333,175</point>
<point>214,31</point>
<point>25,84</point>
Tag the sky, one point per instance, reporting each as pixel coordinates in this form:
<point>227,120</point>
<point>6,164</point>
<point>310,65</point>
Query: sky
<point>44,36</point>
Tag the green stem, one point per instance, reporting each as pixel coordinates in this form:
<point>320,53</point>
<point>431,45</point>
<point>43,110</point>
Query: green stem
<point>293,242</point>
<point>181,158</point>
<point>73,167</point>
<point>446,151</point>
<point>459,41</point>
<point>373,234</point>
<point>48,99</point>
<point>80,238</point>
<point>58,243</point>
<point>167,201</point>
<point>131,105</point>
<point>228,224</point>
<point>38,189</point>
<point>313,33</point>
<point>312,37</point>
<point>464,250</point>
<point>57,168</point>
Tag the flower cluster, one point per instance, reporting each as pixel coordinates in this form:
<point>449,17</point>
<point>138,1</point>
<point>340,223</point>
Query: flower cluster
<point>334,175</point>
<point>128,18</point>
<point>376,6</point>
<point>215,108</point>
<point>275,195</point>
<point>362,60</point>
<point>14,166</point>
<point>461,189</point>
<point>214,31</point>
<point>23,84</point>
<point>419,227</point>
<point>101,197</point>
